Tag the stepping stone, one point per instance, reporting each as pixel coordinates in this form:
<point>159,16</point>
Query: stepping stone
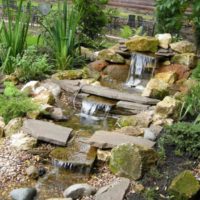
<point>116,190</point>
<point>47,131</point>
<point>78,156</point>
<point>109,140</point>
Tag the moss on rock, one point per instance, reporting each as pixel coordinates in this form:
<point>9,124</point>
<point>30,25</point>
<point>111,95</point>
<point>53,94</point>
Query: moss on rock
<point>143,44</point>
<point>184,186</point>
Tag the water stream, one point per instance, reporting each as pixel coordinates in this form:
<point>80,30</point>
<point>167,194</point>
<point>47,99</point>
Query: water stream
<point>71,163</point>
<point>140,63</point>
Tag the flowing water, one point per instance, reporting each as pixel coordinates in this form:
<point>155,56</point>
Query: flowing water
<point>140,64</point>
<point>72,164</point>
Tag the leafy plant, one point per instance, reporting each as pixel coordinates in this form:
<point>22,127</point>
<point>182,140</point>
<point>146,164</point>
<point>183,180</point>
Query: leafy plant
<point>93,18</point>
<point>60,35</point>
<point>31,65</point>
<point>196,72</point>
<point>191,104</point>
<point>126,32</point>
<point>185,137</point>
<point>14,103</point>
<point>13,35</point>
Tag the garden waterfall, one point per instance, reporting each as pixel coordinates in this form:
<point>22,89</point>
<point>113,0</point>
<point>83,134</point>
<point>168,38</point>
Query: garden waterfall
<point>139,63</point>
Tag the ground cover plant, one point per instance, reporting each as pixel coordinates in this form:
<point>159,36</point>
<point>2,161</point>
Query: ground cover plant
<point>14,103</point>
<point>32,65</point>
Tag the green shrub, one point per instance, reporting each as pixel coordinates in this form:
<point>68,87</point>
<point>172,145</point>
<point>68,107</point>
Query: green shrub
<point>184,136</point>
<point>191,104</point>
<point>13,35</point>
<point>60,35</point>
<point>93,18</point>
<point>196,72</point>
<point>31,66</point>
<point>126,32</point>
<point>14,103</point>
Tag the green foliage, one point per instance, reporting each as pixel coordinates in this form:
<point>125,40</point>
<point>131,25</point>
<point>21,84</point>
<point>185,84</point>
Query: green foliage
<point>191,104</point>
<point>196,72</point>
<point>60,34</point>
<point>13,35</point>
<point>151,194</point>
<point>93,18</point>
<point>14,103</point>
<point>185,137</point>
<point>31,66</point>
<point>170,15</point>
<point>126,32</point>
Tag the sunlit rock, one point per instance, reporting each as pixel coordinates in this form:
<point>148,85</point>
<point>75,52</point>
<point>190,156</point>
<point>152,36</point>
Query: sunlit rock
<point>164,40</point>
<point>183,47</point>
<point>142,44</point>
<point>189,60</point>
<point>156,88</point>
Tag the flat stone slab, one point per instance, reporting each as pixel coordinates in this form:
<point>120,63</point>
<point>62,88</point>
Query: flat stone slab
<point>109,140</point>
<point>47,131</point>
<point>131,106</point>
<point>117,95</point>
<point>114,191</point>
<point>78,156</point>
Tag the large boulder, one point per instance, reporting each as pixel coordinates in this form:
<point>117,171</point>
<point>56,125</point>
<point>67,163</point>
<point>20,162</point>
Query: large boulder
<point>168,77</point>
<point>187,59</point>
<point>164,40</point>
<point>156,88</point>
<point>98,65</point>
<point>117,72</point>
<point>110,56</point>
<point>131,161</point>
<point>78,191</point>
<point>181,71</point>
<point>13,126</point>
<point>184,186</point>
<point>183,47</point>
<point>169,107</point>
<point>142,44</point>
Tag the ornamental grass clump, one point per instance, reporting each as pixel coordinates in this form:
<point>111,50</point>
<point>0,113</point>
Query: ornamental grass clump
<point>13,34</point>
<point>60,35</point>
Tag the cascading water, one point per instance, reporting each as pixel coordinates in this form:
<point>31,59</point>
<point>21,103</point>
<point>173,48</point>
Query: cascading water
<point>92,106</point>
<point>139,63</point>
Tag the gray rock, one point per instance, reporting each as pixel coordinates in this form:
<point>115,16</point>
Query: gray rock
<point>149,134</point>
<point>115,191</point>
<point>79,190</point>
<point>23,194</point>
<point>58,115</point>
<point>54,88</point>
<point>108,140</point>
<point>47,131</point>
